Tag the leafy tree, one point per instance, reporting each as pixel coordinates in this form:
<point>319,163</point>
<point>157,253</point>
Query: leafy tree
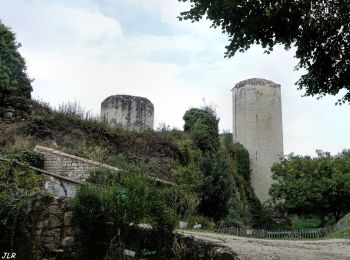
<point>202,125</point>
<point>216,186</point>
<point>14,82</point>
<point>313,186</point>
<point>319,30</point>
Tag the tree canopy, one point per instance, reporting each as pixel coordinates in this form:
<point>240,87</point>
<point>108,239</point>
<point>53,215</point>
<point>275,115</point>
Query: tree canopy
<point>202,125</point>
<point>319,30</point>
<point>14,82</point>
<point>313,186</point>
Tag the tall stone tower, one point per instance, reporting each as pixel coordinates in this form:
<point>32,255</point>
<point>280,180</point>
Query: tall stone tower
<point>128,112</point>
<point>257,125</point>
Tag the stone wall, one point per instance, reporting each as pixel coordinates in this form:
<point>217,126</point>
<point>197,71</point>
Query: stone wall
<point>67,165</point>
<point>68,171</point>
<point>57,236</point>
<point>128,112</point>
<point>71,171</point>
<point>257,125</point>
<point>61,187</point>
<point>54,231</point>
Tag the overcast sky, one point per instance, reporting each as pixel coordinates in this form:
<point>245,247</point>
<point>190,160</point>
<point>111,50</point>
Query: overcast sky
<point>87,50</point>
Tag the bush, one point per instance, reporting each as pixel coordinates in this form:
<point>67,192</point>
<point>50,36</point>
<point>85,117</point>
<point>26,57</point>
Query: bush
<point>17,210</point>
<point>126,200</point>
<point>103,177</point>
<point>33,158</point>
<point>205,222</point>
<point>19,202</point>
<point>183,202</point>
<point>189,178</point>
<point>15,177</point>
<point>306,223</point>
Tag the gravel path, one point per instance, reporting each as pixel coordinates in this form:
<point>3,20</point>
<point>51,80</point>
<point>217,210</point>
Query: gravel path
<point>260,249</point>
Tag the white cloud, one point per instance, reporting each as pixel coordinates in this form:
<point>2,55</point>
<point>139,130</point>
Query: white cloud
<point>86,26</point>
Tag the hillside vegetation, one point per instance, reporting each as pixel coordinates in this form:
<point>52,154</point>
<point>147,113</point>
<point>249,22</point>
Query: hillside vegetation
<point>166,153</point>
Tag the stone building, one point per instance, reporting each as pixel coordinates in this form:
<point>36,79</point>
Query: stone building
<point>128,112</point>
<point>257,125</point>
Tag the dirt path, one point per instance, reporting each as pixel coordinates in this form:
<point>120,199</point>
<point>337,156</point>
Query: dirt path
<point>260,249</point>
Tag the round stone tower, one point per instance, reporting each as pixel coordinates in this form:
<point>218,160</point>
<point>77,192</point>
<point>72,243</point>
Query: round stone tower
<point>257,125</point>
<point>128,112</point>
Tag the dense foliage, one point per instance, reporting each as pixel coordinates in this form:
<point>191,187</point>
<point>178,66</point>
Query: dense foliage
<point>218,174</point>
<point>216,186</point>
<point>202,125</point>
<point>244,208</point>
<point>32,158</point>
<point>20,200</point>
<point>14,82</point>
<point>110,210</point>
<point>313,186</point>
<point>319,30</point>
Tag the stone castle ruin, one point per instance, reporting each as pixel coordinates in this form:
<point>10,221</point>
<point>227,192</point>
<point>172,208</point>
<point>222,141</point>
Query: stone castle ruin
<point>257,125</point>
<point>128,112</point>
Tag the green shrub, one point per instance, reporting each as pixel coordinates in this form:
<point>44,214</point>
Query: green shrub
<point>17,211</point>
<point>189,178</point>
<point>103,177</point>
<point>118,160</point>
<point>124,201</point>
<point>162,218</point>
<point>33,158</point>
<point>184,203</point>
<point>205,222</point>
<point>90,217</point>
<point>20,201</point>
<point>306,223</point>
<point>17,177</point>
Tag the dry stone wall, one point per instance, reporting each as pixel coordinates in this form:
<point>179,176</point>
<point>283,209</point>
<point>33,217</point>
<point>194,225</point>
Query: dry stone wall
<point>55,234</point>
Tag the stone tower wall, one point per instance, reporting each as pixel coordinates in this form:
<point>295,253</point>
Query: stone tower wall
<point>128,112</point>
<point>257,125</point>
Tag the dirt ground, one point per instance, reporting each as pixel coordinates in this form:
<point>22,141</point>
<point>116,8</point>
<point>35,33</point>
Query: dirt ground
<point>260,249</point>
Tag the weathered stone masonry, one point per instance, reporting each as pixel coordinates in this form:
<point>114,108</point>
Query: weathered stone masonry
<point>56,236</point>
<point>128,112</point>
<point>257,125</point>
<point>55,233</point>
<point>74,170</point>
<point>72,167</point>
<point>68,165</point>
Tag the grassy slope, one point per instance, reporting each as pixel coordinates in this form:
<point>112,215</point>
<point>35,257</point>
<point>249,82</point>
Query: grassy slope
<point>342,233</point>
<point>157,152</point>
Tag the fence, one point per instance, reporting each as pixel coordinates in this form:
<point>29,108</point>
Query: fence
<point>278,234</point>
